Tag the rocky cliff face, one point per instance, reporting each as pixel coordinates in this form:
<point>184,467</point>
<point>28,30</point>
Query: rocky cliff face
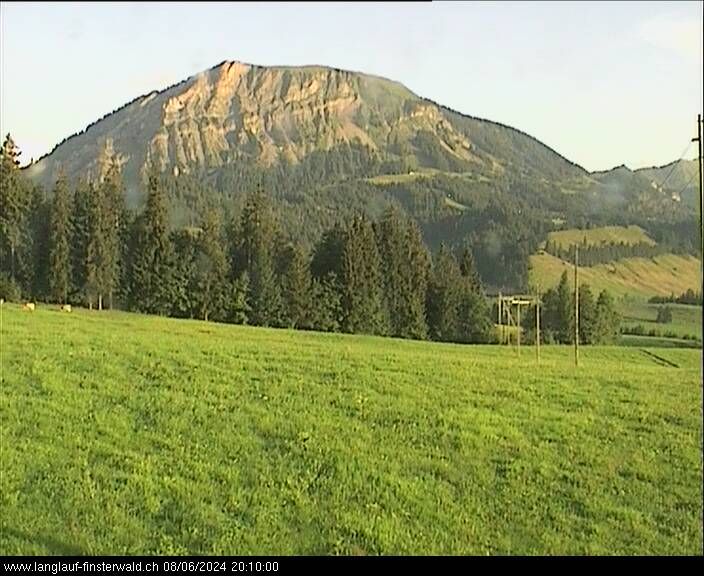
<point>241,113</point>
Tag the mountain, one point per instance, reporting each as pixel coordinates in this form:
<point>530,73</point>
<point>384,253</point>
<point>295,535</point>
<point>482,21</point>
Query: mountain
<point>326,143</point>
<point>680,177</point>
<point>267,116</point>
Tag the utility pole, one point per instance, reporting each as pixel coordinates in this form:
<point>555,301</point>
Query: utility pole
<point>518,332</point>
<point>501,326</point>
<point>698,139</point>
<point>537,324</point>
<point>576,306</point>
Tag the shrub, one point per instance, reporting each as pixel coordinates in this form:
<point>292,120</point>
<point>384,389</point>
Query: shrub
<point>664,315</point>
<point>9,290</point>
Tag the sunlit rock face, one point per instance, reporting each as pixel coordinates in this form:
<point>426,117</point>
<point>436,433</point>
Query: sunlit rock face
<point>237,112</point>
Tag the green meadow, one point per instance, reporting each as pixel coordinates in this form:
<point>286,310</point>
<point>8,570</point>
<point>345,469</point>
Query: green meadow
<point>129,434</point>
<point>686,319</point>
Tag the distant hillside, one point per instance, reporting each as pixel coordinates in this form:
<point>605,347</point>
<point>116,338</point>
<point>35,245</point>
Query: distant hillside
<point>678,177</point>
<point>603,235</point>
<point>325,123</point>
<point>328,143</point>
<point>644,277</point>
<point>271,116</point>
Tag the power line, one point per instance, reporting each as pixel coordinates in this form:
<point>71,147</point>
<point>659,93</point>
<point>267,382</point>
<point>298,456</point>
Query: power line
<point>691,179</point>
<point>675,164</point>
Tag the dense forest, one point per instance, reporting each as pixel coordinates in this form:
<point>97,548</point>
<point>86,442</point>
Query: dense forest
<point>363,264</point>
<point>598,319</point>
<point>84,246</point>
<point>593,254</point>
<point>689,297</point>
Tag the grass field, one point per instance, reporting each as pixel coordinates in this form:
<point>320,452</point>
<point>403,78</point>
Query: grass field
<point>126,434</point>
<point>603,235</point>
<point>640,277</point>
<point>686,320</point>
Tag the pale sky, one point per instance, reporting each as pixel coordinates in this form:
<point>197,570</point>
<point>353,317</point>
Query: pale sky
<point>603,83</point>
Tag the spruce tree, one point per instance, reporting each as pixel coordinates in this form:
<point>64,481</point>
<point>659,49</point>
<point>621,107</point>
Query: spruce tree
<point>326,309</point>
<point>328,254</point>
<point>474,321</point>
<point>444,294</point>
<point>468,269</point>
<point>549,316</point>
<point>391,239</point>
<point>258,237</point>
<point>14,196</point>
<point>296,282</point>
<point>113,216</point>
<point>151,270</point>
<point>587,315</point>
<point>80,229</point>
<point>415,284</point>
<point>327,273</point>
<point>39,223</point>
<point>238,306</point>
<point>211,269</point>
<point>60,242</point>
<point>183,302</point>
<point>97,259</point>
<point>362,293</point>
<point>565,311</point>
<point>607,320</point>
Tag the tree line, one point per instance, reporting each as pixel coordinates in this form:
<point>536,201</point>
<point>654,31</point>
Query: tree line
<point>593,254</point>
<point>689,297</point>
<point>599,321</point>
<point>84,246</point>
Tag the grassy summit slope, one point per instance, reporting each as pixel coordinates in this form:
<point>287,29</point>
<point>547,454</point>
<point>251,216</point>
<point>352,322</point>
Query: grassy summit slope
<point>127,434</point>
<point>601,235</point>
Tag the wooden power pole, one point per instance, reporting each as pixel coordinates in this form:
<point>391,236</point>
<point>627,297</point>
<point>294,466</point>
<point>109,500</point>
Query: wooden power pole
<point>576,305</point>
<point>698,139</point>
<point>537,324</point>
<point>501,326</point>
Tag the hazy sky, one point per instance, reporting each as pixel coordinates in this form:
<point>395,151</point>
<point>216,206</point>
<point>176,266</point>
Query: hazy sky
<point>603,83</point>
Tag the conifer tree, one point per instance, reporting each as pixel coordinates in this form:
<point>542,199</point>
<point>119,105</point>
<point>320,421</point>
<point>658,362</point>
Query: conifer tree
<point>238,305</point>
<point>607,320</point>
<point>13,209</point>
<point>211,269</point>
<point>328,254</point>
<point>113,215</point>
<point>39,223</point>
<point>415,284</point>
<point>97,251</point>
<point>444,293</point>
<point>405,264</point>
<point>258,237</point>
<point>80,229</point>
<point>326,273</point>
<point>59,242</point>
<point>587,315</point>
<point>183,302</point>
<point>296,282</point>
<point>151,270</point>
<point>326,311</point>
<point>468,269</point>
<point>396,269</point>
<point>565,310</point>
<point>362,296</point>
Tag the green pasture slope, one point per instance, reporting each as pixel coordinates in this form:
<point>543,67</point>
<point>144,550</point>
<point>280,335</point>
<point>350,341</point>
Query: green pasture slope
<point>127,434</point>
<point>686,319</point>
